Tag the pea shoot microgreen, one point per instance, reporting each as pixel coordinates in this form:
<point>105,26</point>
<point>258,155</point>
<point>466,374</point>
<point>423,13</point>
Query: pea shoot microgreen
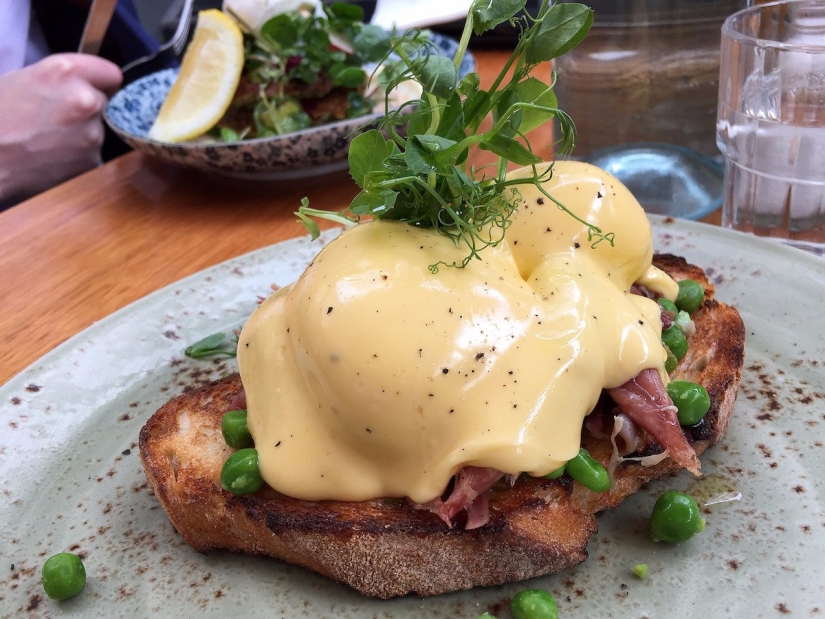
<point>211,346</point>
<point>422,175</point>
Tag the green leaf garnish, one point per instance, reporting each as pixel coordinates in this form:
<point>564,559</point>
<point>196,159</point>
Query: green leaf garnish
<point>437,75</point>
<point>373,42</point>
<point>305,215</point>
<point>346,12</point>
<point>421,175</point>
<point>281,32</point>
<point>487,16</point>
<point>229,135</point>
<point>371,150</point>
<point>212,345</point>
<point>539,98</point>
<point>564,27</point>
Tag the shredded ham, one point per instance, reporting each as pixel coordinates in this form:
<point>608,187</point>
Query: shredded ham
<point>469,494</point>
<point>599,422</point>
<point>596,424</point>
<point>623,426</point>
<point>238,401</point>
<point>642,291</point>
<point>627,437</point>
<point>511,479</point>
<point>607,422</point>
<point>645,401</point>
<point>667,319</point>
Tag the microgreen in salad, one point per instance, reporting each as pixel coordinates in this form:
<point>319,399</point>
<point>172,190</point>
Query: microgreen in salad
<point>422,175</point>
<point>303,69</point>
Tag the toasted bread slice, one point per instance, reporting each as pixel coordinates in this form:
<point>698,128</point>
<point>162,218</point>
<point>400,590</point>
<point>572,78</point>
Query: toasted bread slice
<point>387,548</point>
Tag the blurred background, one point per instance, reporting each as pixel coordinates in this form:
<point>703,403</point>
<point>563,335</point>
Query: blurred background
<point>642,90</point>
<point>160,17</point>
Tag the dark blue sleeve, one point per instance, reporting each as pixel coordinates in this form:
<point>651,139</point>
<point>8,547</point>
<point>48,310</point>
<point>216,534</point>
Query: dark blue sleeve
<point>62,23</point>
<point>127,38</point>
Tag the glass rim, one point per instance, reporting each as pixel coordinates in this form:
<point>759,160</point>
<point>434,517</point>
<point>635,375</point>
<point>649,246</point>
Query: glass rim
<point>646,13</point>
<point>729,29</point>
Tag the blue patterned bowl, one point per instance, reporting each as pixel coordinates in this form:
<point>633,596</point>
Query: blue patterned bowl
<point>311,152</point>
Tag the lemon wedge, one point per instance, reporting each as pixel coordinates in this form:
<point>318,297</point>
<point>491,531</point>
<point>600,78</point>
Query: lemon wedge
<point>208,78</point>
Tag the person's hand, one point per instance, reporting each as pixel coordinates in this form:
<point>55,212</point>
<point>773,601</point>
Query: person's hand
<point>51,125</point>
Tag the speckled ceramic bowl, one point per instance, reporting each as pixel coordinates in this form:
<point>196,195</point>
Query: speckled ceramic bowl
<point>311,152</point>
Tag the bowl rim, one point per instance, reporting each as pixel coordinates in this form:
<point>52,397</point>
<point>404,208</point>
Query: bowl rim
<point>356,123</point>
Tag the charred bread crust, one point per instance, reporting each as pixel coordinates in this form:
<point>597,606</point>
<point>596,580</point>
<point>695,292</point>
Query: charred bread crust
<point>386,548</point>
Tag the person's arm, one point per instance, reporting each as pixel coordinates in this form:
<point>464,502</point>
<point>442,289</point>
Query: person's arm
<point>51,124</point>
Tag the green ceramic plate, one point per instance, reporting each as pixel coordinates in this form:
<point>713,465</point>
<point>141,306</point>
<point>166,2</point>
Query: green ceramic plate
<point>71,478</point>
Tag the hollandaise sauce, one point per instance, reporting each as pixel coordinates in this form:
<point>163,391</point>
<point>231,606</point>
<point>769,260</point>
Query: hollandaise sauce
<point>372,377</point>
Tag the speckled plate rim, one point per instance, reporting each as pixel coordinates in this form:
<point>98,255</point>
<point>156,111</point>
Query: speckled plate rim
<point>71,478</point>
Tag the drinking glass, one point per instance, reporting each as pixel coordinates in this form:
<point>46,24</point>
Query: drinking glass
<point>647,71</point>
<point>771,121</point>
<point>642,89</point>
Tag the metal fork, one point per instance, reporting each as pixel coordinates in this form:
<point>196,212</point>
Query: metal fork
<point>166,53</point>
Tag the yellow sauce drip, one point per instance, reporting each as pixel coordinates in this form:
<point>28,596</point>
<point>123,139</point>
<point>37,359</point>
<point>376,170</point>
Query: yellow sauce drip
<point>373,377</point>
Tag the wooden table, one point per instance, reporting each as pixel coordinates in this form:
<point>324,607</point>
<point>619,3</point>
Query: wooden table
<point>96,243</point>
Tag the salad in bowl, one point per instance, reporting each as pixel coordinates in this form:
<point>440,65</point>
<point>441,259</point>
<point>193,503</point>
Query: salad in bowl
<point>275,90</point>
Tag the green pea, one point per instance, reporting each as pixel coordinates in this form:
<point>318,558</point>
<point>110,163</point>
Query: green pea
<point>691,295</point>
<point>692,401</point>
<point>557,473</point>
<point>668,305</point>
<point>240,474</point>
<point>534,604</point>
<point>675,518</point>
<point>671,362</point>
<point>588,472</point>
<point>235,430</point>
<point>640,571</point>
<point>674,338</point>
<point>64,576</point>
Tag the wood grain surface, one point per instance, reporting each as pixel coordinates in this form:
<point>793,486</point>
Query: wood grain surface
<point>96,243</point>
